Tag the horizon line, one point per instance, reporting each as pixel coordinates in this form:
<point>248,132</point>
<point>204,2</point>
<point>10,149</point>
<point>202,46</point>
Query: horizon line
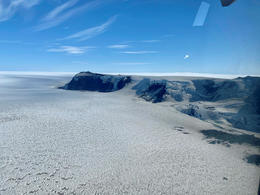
<point>166,74</point>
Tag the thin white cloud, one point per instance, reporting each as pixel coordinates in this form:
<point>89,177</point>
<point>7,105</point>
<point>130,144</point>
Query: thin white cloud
<point>37,73</point>
<point>11,41</point>
<point>80,62</point>
<point>168,35</point>
<point>70,49</point>
<point>142,41</point>
<point>139,52</point>
<point>151,41</point>
<point>57,16</point>
<point>8,10</point>
<point>118,46</point>
<point>131,63</point>
<point>186,56</point>
<point>92,32</point>
<point>17,42</point>
<point>54,13</point>
<point>28,3</point>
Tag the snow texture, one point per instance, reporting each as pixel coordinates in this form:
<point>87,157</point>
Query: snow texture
<point>56,141</point>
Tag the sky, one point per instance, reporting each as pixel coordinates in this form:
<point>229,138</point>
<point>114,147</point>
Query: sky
<point>133,36</point>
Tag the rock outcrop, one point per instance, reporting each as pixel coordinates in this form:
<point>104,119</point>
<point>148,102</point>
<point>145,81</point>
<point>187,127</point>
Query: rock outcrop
<point>97,82</point>
<point>219,92</point>
<point>151,91</point>
<point>247,88</point>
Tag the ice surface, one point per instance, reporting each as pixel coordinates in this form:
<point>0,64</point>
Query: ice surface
<point>56,141</point>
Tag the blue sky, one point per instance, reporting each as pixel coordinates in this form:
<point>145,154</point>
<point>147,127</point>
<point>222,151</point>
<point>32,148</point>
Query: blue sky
<point>130,36</point>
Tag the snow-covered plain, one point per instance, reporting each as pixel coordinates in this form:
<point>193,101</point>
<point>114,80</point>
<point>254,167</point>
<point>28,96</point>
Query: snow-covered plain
<point>54,141</point>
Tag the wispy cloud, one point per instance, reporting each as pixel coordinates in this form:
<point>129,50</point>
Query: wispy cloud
<point>118,46</point>
<point>54,13</point>
<point>151,41</point>
<point>131,63</point>
<point>11,41</point>
<point>15,42</point>
<point>92,32</point>
<point>139,52</point>
<point>57,16</point>
<point>8,10</point>
<point>142,41</point>
<point>168,35</point>
<point>80,62</point>
<point>186,56</point>
<point>70,49</point>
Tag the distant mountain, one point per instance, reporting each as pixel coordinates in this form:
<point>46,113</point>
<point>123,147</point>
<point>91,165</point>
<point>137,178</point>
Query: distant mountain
<point>199,90</point>
<point>97,82</point>
<point>234,102</point>
<point>237,101</point>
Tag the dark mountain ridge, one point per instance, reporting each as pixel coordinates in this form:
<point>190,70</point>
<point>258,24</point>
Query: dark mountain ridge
<point>97,82</point>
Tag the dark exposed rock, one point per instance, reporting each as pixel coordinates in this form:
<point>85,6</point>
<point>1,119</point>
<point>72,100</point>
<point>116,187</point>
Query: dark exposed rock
<point>157,90</point>
<point>97,82</point>
<point>153,91</point>
<point>246,90</point>
<point>253,159</point>
<point>215,90</point>
<point>225,178</point>
<point>253,101</point>
<point>224,137</point>
<point>192,110</point>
